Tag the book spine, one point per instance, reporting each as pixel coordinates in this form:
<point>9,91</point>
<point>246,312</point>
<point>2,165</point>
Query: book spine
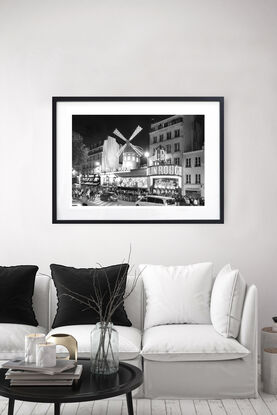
<point>20,383</point>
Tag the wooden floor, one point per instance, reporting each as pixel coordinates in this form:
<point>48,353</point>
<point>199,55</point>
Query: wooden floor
<point>264,405</point>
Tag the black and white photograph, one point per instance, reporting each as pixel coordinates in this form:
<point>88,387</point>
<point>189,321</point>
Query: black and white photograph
<point>137,159</point>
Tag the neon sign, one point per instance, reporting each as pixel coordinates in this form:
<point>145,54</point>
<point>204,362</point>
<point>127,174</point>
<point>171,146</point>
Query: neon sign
<point>164,170</point>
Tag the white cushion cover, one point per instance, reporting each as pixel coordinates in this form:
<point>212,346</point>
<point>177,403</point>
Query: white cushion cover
<point>189,342</point>
<point>12,339</point>
<point>41,299</point>
<point>177,294</point>
<point>227,302</point>
<point>129,339</point>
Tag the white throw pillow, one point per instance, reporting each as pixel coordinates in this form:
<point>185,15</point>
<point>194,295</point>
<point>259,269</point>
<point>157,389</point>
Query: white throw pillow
<point>227,302</point>
<point>177,294</point>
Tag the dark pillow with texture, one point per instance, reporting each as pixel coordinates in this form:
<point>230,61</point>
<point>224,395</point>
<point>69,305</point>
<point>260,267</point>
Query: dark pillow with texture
<point>16,292</point>
<point>80,281</point>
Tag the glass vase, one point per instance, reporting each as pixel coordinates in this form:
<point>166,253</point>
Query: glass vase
<point>104,349</point>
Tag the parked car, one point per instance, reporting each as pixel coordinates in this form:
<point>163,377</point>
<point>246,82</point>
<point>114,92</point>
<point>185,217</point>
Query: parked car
<point>152,200</point>
<point>108,197</point>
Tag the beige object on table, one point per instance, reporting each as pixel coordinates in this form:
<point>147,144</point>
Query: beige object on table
<point>270,371</point>
<point>66,340</point>
<point>268,340</point>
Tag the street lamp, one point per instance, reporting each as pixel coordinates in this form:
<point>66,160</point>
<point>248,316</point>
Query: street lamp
<point>147,155</point>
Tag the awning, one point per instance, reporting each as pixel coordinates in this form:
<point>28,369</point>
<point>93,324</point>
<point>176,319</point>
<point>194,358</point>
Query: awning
<point>132,173</point>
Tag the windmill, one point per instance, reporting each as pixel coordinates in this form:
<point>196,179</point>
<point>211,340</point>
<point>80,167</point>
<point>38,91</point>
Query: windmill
<point>131,153</point>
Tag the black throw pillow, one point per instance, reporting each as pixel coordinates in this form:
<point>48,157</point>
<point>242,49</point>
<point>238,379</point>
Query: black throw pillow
<point>16,292</point>
<point>80,281</point>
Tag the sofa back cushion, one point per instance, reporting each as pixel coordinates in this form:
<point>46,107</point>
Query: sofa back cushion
<point>16,294</point>
<point>41,299</point>
<point>177,294</point>
<point>80,291</point>
<point>132,305</point>
<point>227,302</point>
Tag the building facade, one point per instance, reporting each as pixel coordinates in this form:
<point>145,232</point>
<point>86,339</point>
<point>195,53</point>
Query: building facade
<point>102,157</point>
<point>109,156</point>
<point>193,174</point>
<point>169,140</point>
<point>131,159</point>
<point>164,179</point>
<point>94,159</point>
<point>175,135</point>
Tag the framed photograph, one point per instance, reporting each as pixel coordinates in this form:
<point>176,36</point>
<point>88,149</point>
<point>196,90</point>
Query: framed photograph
<point>138,160</point>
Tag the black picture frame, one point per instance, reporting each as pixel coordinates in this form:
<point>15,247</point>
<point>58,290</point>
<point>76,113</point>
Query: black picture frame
<point>60,99</point>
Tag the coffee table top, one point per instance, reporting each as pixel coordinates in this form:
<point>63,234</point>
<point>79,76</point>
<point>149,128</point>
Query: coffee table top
<point>89,388</point>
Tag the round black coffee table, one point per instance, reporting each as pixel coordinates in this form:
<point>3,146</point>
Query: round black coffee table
<point>89,388</point>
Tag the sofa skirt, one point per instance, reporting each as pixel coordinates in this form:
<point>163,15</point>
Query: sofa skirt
<point>136,393</point>
<point>206,380</point>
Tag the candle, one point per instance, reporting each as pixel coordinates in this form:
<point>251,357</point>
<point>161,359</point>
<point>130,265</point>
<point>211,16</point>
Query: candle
<point>46,355</point>
<point>31,340</point>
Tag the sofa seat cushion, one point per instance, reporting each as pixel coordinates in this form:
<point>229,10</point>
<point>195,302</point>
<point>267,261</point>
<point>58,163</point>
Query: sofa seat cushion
<point>12,339</point>
<point>129,339</point>
<point>189,342</point>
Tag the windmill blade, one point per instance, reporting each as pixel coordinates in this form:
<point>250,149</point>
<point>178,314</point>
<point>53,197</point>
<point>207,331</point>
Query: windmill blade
<point>120,151</point>
<point>137,130</point>
<point>140,149</point>
<point>137,149</point>
<point>118,133</point>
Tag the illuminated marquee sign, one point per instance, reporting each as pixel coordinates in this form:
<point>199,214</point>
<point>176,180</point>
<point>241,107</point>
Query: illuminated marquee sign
<point>92,179</point>
<point>166,170</point>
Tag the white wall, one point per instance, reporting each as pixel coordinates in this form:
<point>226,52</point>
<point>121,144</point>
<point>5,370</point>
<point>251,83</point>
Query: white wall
<point>174,47</point>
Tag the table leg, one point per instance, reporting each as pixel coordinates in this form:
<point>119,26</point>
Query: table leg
<point>57,407</point>
<point>129,403</point>
<point>11,406</point>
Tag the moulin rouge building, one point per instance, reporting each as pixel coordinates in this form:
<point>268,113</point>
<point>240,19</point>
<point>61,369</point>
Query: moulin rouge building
<point>174,163</point>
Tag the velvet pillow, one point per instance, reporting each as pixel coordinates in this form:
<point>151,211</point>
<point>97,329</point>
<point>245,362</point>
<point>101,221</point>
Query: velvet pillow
<point>16,292</point>
<point>80,281</point>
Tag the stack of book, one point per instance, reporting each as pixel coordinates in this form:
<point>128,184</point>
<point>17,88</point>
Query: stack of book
<point>21,373</point>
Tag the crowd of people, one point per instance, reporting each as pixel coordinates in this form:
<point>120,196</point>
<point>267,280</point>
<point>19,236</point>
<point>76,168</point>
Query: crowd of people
<point>86,194</point>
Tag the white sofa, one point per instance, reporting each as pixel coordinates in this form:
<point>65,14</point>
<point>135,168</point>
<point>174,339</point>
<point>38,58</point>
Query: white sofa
<point>179,361</point>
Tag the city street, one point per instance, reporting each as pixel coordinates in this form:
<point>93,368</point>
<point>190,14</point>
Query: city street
<point>101,203</point>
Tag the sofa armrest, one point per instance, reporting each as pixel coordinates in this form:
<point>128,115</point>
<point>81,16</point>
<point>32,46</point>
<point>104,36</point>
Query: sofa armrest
<point>249,321</point>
